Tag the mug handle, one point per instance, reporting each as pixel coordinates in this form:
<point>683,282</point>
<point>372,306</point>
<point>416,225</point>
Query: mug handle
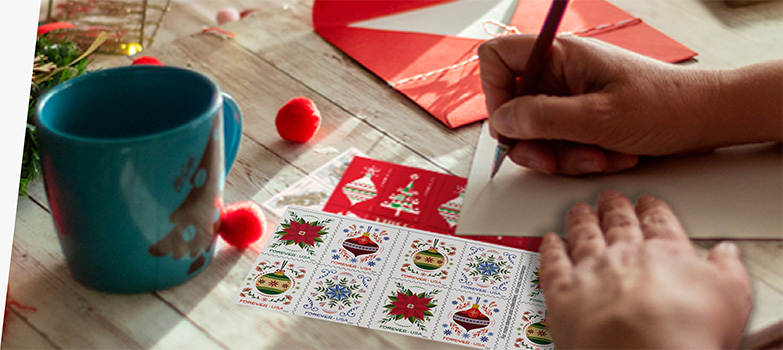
<point>232,129</point>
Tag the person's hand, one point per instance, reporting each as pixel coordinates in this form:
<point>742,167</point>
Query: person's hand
<point>630,278</point>
<point>599,107</point>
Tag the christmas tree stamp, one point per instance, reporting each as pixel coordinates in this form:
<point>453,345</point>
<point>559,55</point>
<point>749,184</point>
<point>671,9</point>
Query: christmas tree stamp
<point>472,320</point>
<point>531,329</point>
<point>360,245</point>
<point>337,295</point>
<point>428,258</point>
<point>405,196</point>
<point>489,270</point>
<point>302,235</point>
<point>406,308</point>
<point>274,284</point>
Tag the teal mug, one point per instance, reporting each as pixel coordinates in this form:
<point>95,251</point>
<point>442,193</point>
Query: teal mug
<point>134,162</point>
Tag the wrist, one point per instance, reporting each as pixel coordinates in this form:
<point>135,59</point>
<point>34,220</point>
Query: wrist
<point>748,107</point>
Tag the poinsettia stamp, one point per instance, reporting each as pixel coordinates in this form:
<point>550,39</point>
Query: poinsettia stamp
<point>489,270</point>
<point>337,295</point>
<point>472,320</point>
<point>274,284</point>
<point>407,308</point>
<point>533,290</point>
<point>302,235</point>
<point>428,258</point>
<point>361,245</point>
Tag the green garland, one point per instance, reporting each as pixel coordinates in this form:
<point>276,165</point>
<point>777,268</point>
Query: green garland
<point>55,62</point>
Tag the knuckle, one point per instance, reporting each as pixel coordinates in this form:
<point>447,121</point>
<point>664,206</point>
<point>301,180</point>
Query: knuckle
<point>583,232</point>
<point>657,218</point>
<point>617,218</point>
<point>488,48</point>
<point>600,107</point>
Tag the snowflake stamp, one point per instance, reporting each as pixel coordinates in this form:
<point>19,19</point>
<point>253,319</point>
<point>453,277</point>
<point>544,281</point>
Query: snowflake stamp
<point>488,270</point>
<point>336,295</point>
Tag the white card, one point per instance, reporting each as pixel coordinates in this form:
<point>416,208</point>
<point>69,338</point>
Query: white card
<point>734,192</point>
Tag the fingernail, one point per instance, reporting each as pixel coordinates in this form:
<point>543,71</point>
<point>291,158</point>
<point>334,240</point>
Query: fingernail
<point>728,247</point>
<point>645,200</point>
<point>546,241</point>
<point>581,208</point>
<point>502,120</point>
<point>589,166</point>
<point>534,164</point>
<point>627,161</point>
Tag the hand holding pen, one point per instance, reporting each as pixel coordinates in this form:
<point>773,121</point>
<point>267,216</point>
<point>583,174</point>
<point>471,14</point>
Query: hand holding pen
<point>597,108</point>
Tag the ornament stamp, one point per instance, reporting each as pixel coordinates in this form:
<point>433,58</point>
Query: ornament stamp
<point>531,330</point>
<point>428,258</point>
<point>337,295</point>
<point>472,320</point>
<point>360,245</point>
<point>274,284</point>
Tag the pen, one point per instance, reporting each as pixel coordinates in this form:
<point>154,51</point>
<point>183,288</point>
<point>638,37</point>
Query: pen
<point>533,69</point>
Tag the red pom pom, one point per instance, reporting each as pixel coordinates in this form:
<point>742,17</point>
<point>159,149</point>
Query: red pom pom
<point>228,14</point>
<point>242,223</point>
<point>149,60</point>
<point>298,120</point>
<point>43,29</point>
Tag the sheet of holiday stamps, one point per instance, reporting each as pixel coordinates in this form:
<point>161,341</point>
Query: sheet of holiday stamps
<point>408,197</point>
<point>402,280</point>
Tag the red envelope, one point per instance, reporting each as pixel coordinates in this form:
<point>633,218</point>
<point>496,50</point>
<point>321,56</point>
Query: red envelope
<point>440,73</point>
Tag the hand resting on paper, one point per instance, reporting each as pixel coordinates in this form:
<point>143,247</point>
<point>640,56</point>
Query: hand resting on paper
<point>599,107</point>
<point>630,278</point>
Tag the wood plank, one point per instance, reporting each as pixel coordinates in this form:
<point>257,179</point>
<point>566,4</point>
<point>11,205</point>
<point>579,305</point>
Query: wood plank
<point>65,309</point>
<point>21,334</point>
<point>767,304</point>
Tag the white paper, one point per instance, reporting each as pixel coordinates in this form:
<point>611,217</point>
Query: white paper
<point>734,192</point>
<point>462,18</point>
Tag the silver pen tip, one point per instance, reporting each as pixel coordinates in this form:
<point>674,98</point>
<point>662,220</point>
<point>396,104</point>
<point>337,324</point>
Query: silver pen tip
<point>500,155</point>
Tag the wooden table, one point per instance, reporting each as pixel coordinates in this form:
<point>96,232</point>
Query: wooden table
<point>277,56</point>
